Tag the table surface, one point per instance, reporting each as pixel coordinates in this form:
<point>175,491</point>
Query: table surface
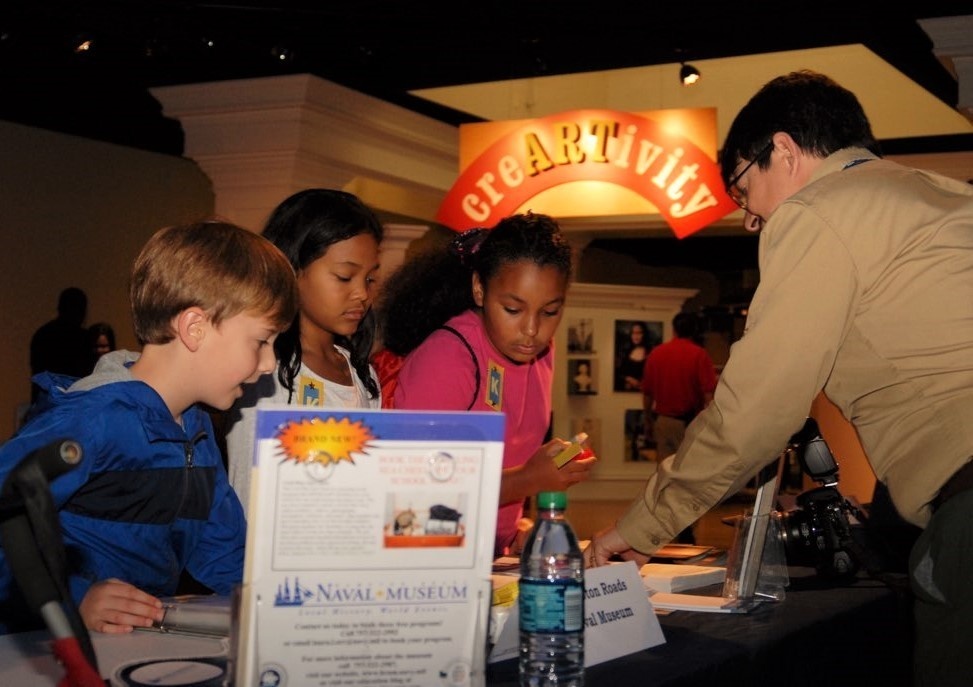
<point>26,659</point>
<point>858,633</point>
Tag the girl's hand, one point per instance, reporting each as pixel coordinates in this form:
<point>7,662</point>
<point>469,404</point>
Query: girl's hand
<point>541,473</point>
<point>545,475</point>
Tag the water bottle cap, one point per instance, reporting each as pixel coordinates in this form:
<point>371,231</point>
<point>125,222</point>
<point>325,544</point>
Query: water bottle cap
<point>552,499</point>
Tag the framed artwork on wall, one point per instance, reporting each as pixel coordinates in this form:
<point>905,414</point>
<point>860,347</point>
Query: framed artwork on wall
<point>581,335</point>
<point>637,447</point>
<point>633,341</point>
<point>582,376</point>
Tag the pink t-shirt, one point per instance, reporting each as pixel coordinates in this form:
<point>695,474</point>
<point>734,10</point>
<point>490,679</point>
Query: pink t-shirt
<point>439,375</point>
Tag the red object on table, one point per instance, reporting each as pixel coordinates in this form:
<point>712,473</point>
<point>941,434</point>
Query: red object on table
<point>78,671</point>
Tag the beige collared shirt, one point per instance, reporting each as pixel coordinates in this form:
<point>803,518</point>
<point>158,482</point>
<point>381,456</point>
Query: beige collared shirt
<point>866,292</point>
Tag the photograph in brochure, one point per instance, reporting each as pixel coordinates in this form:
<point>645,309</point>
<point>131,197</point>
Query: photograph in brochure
<point>421,519</point>
<point>370,558</point>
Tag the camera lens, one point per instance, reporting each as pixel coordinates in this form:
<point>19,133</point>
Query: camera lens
<point>801,545</point>
<point>816,533</point>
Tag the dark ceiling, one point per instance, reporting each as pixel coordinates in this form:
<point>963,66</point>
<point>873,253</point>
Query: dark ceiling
<point>386,48</point>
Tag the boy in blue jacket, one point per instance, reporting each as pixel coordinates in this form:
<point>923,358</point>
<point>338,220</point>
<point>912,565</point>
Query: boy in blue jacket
<point>150,497</point>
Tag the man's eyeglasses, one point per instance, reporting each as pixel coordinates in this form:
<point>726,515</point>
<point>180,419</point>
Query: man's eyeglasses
<point>738,195</point>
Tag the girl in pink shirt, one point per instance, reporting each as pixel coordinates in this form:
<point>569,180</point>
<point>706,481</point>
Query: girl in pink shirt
<point>476,324</point>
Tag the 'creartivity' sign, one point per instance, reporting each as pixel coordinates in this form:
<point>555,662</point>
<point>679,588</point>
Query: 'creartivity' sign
<point>633,151</point>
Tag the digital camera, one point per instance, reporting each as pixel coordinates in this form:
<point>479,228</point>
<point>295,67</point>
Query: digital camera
<point>819,532</point>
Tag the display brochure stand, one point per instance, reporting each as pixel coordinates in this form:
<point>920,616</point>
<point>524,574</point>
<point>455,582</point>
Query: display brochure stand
<point>369,550</point>
<point>756,568</point>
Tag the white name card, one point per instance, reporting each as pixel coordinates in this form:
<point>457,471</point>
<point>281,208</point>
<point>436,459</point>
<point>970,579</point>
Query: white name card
<point>618,621</point>
<point>618,618</point>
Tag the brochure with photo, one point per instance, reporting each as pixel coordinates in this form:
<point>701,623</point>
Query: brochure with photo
<point>370,547</point>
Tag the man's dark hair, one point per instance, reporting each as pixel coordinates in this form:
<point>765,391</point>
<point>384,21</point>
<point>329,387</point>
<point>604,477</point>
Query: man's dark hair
<point>72,305</point>
<point>819,114</point>
<point>686,325</point>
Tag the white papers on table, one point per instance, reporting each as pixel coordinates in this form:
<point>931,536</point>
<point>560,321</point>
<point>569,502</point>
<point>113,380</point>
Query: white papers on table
<point>685,553</point>
<point>678,577</point>
<point>696,602</point>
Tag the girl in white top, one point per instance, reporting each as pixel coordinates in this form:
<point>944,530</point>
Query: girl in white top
<point>331,238</point>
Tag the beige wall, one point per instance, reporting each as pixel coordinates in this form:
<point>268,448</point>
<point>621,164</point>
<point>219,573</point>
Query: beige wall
<point>75,212</point>
<point>856,476</point>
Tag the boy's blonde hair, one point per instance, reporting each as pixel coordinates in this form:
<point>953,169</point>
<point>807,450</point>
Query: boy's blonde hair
<point>217,266</point>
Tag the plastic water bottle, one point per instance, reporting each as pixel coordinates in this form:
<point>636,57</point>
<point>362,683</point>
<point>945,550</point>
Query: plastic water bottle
<point>551,599</point>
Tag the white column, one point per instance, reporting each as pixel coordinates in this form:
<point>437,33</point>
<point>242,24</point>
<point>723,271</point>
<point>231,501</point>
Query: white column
<point>260,140</point>
<point>395,245</point>
<point>952,39</point>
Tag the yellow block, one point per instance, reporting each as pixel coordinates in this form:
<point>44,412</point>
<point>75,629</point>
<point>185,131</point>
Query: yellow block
<point>504,589</point>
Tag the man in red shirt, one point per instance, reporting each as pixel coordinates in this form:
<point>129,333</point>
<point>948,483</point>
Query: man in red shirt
<point>678,381</point>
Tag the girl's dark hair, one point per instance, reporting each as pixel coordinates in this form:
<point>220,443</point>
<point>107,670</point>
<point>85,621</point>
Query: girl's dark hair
<point>303,226</point>
<point>435,286</point>
<point>98,329</point>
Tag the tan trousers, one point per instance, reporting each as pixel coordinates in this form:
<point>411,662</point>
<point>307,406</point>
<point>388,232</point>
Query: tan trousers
<point>668,433</point>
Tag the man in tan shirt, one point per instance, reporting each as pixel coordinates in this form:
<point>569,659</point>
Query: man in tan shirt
<point>866,292</point>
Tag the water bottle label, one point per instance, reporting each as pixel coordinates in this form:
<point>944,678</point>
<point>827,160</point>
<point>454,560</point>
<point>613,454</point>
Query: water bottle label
<point>547,606</point>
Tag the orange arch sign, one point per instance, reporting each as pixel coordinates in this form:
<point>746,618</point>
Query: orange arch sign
<point>634,151</point>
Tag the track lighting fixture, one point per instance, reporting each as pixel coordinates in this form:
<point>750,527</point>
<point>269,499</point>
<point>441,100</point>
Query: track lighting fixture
<point>83,43</point>
<point>282,54</point>
<point>688,74</point>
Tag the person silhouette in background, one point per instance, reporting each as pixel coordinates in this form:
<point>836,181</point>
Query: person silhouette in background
<point>61,345</point>
<point>101,340</point>
<point>678,382</point>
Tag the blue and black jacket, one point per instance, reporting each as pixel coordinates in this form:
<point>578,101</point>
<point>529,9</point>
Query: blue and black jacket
<point>150,497</point>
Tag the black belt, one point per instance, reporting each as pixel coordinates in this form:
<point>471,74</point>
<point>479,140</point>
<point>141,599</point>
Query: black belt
<point>961,480</point>
<point>687,418</point>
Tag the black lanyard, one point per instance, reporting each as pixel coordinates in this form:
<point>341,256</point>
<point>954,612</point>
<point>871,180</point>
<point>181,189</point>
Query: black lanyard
<point>857,162</point>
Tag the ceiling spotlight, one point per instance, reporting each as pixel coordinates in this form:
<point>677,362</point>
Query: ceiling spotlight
<point>688,74</point>
<point>282,54</point>
<point>154,47</point>
<point>83,43</point>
